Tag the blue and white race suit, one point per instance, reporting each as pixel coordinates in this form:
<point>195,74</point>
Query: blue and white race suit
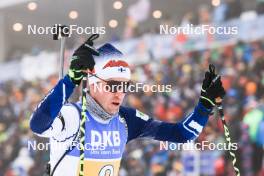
<point>105,140</point>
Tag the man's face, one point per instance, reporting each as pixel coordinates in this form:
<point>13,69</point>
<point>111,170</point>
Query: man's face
<point>109,101</point>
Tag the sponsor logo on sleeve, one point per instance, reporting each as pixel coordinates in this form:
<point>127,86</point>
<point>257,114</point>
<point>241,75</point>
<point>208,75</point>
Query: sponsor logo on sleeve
<point>142,115</point>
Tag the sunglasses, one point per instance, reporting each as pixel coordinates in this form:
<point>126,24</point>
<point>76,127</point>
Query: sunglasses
<point>115,86</point>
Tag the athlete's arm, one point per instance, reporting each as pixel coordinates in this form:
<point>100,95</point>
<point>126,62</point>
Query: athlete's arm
<point>48,109</point>
<point>140,125</point>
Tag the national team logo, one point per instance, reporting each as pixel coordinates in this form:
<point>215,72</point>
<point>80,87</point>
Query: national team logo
<point>121,69</point>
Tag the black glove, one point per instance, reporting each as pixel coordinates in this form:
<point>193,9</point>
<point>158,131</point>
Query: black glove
<point>83,59</point>
<point>211,89</point>
<point>208,77</point>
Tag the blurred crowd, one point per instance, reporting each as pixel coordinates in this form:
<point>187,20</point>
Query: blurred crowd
<point>242,69</point>
<point>216,13</point>
<point>206,13</point>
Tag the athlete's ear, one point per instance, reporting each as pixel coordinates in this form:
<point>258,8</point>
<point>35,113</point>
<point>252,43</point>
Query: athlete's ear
<point>91,89</point>
<point>94,90</point>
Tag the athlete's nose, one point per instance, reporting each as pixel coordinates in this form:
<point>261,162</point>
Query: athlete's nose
<point>118,94</point>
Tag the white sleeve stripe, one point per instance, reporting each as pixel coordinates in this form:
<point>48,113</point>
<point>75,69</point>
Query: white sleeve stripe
<point>187,128</point>
<point>191,131</point>
<point>196,126</point>
<point>64,94</point>
<point>187,118</point>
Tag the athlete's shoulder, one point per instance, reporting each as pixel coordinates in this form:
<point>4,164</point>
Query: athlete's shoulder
<point>136,121</point>
<point>123,110</point>
<point>70,110</point>
<point>129,112</point>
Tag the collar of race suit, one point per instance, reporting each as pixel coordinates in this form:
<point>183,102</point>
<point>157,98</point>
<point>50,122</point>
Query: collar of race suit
<point>97,111</point>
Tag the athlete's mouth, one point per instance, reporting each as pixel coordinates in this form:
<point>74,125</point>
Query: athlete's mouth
<point>116,104</point>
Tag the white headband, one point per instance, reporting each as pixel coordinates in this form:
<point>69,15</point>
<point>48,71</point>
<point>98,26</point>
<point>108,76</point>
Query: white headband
<point>110,69</point>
